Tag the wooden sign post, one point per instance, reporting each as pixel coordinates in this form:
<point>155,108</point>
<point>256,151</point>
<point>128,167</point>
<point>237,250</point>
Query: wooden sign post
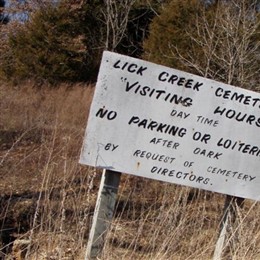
<point>232,204</point>
<point>103,214</point>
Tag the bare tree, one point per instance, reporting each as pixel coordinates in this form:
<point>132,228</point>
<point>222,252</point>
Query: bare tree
<point>116,17</point>
<point>229,41</point>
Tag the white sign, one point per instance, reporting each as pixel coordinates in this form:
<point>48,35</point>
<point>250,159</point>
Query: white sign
<point>152,121</point>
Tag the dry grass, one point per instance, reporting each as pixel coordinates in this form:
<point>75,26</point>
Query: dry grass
<point>48,199</point>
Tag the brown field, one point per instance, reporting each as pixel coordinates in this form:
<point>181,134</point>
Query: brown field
<point>48,198</point>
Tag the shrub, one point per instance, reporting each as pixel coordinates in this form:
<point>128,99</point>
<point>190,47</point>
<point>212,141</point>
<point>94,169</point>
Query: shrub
<point>47,48</point>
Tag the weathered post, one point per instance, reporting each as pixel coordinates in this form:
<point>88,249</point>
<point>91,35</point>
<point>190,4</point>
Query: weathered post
<point>103,214</point>
<point>228,219</point>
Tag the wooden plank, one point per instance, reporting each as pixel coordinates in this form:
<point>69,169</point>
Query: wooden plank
<point>103,214</point>
<point>228,219</point>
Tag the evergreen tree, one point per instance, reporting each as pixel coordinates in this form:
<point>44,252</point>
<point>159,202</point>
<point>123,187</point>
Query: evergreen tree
<point>64,41</point>
<point>170,33</point>
<point>48,47</point>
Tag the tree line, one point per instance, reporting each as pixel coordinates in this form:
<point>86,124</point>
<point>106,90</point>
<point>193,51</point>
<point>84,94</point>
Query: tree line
<point>62,41</point>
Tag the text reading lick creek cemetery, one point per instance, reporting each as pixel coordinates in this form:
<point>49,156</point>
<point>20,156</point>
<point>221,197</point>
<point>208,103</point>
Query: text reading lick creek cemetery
<point>156,122</point>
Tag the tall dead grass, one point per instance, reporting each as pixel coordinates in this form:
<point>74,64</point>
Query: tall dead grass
<point>48,199</point>
<point>41,136</point>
